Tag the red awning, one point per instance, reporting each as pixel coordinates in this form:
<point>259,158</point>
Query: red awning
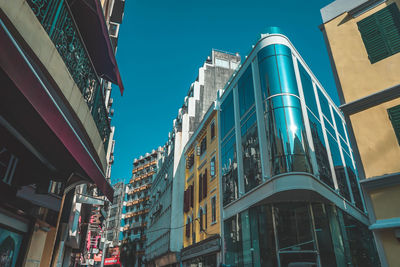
<point>15,64</point>
<point>89,17</point>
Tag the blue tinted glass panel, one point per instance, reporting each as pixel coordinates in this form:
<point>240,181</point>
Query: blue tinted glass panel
<point>339,124</point>
<point>269,77</point>
<point>227,115</point>
<point>329,128</point>
<point>321,152</point>
<point>351,172</point>
<point>229,169</point>
<point>324,105</point>
<point>360,243</point>
<point>287,78</point>
<point>251,153</point>
<point>339,168</point>
<point>287,141</point>
<point>308,90</point>
<point>246,91</point>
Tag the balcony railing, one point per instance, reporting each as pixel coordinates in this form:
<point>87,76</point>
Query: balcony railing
<point>57,20</point>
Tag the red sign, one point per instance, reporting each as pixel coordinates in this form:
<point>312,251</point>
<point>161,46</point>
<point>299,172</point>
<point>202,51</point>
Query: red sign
<point>112,261</point>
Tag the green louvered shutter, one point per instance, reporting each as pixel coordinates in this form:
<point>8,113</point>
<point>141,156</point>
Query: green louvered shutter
<point>381,33</point>
<point>394,116</point>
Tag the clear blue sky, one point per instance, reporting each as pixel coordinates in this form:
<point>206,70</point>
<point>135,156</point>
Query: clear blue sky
<point>163,43</point>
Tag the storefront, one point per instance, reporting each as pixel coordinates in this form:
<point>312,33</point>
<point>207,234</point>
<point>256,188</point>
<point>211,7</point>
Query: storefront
<point>298,233</point>
<point>202,254</point>
<point>13,234</point>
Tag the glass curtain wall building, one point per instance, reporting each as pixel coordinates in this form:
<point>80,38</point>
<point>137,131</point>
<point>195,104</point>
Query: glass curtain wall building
<point>290,189</point>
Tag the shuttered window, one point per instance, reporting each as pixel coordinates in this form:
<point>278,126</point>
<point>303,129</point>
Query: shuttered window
<point>200,187</point>
<point>394,116</point>
<point>205,184</point>
<point>380,33</point>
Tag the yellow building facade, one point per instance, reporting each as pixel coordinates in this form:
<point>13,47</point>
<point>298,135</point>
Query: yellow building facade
<point>201,219</point>
<point>363,41</point>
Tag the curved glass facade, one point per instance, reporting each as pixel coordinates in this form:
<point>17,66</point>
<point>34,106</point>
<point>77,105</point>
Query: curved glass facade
<point>287,141</point>
<point>289,147</point>
<point>288,124</point>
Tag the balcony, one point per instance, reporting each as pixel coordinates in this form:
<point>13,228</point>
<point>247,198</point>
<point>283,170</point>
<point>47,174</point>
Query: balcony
<point>137,201</point>
<point>141,177</point>
<point>138,189</point>
<point>57,20</point>
<point>136,213</point>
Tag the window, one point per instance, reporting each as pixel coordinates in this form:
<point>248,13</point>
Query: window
<point>213,209</point>
<point>114,27</point>
<point>212,167</point>
<point>394,116</point>
<point>190,161</point>
<point>203,186</point>
<point>203,145</point>
<point>212,130</point>
<point>380,33</point>
<point>200,187</point>
<point>246,91</point>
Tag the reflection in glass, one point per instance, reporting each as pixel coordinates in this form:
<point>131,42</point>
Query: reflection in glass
<point>227,115</point>
<point>262,233</point>
<point>293,224</point>
<point>295,234</point>
<point>287,140</point>
<point>324,105</point>
<point>229,169</point>
<point>339,124</point>
<point>361,243</point>
<point>321,153</point>
<point>323,233</point>
<point>246,91</point>
<point>351,172</point>
<point>339,168</point>
<point>233,241</point>
<point>251,153</point>
<point>284,122</point>
<point>308,90</point>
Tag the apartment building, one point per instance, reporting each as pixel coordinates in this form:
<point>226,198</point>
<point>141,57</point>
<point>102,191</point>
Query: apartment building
<point>137,204</point>
<point>363,41</point>
<point>201,208</point>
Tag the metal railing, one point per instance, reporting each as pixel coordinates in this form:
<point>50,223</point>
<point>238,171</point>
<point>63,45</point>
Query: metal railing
<point>58,21</point>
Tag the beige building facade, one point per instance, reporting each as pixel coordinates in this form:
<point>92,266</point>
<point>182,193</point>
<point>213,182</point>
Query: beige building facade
<point>363,41</point>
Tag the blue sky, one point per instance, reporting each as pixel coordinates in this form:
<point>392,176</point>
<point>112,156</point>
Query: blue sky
<point>163,43</point>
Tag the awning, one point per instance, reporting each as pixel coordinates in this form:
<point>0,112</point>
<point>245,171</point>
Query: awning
<point>89,17</point>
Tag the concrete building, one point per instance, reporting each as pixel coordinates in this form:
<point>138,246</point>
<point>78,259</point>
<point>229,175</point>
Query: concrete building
<point>112,232</point>
<point>54,126</point>
<point>164,238</point>
<point>363,40</point>
<point>201,204</point>
<point>137,205</point>
<point>290,191</point>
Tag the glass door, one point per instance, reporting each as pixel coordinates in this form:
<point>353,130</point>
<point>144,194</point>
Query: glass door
<point>295,237</point>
